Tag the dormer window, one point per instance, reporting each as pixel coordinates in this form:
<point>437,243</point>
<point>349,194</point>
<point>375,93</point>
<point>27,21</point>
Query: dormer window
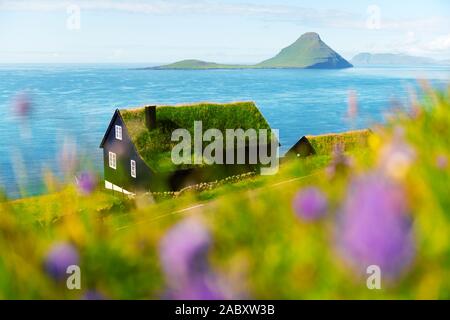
<point>118,132</point>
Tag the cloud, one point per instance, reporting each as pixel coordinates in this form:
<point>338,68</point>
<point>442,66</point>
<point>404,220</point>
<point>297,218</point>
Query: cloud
<point>417,45</point>
<point>270,12</point>
<point>166,7</point>
<point>156,7</point>
<point>337,18</point>
<point>299,15</point>
<point>146,7</point>
<point>426,35</point>
<point>441,43</point>
<point>428,23</point>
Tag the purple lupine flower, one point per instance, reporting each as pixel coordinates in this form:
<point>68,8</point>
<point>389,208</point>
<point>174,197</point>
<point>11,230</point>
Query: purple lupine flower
<point>183,250</point>
<point>86,182</point>
<point>375,226</point>
<point>204,287</point>
<point>60,256</point>
<point>442,161</point>
<point>352,105</point>
<point>340,163</point>
<point>68,158</point>
<point>310,204</point>
<point>22,104</point>
<point>396,157</point>
<point>93,295</point>
<point>184,258</point>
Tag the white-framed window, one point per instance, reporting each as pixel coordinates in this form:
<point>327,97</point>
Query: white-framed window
<point>118,132</point>
<point>112,160</point>
<point>133,168</point>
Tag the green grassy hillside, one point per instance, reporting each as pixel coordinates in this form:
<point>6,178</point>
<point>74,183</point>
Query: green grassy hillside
<point>198,64</point>
<point>309,232</point>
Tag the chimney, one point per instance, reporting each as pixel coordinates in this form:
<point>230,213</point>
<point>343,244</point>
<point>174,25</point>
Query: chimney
<point>150,117</point>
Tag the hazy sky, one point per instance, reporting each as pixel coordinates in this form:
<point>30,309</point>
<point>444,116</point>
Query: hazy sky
<point>222,31</point>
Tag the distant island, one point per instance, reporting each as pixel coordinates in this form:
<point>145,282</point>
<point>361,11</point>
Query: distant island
<point>367,59</point>
<point>308,52</point>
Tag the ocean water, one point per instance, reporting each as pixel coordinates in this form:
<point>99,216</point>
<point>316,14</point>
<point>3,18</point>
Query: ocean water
<point>72,105</point>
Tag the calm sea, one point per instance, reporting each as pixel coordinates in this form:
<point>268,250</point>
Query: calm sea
<point>72,104</point>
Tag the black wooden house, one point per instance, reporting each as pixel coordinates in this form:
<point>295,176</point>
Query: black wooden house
<point>137,145</point>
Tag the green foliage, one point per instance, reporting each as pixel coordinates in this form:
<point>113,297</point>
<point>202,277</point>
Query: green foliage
<point>260,246</point>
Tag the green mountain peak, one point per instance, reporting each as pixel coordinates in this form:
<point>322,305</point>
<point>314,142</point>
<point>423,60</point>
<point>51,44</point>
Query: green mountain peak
<point>309,36</point>
<point>309,51</point>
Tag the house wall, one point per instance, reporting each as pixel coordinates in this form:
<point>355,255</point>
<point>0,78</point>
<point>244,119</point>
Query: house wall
<point>125,152</point>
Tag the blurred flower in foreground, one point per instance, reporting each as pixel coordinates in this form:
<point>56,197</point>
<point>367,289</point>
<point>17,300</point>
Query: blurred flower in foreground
<point>375,226</point>
<point>86,182</point>
<point>204,287</point>
<point>183,254</point>
<point>340,162</point>
<point>20,171</point>
<point>352,109</point>
<point>310,204</point>
<point>184,249</point>
<point>415,108</point>
<point>93,295</point>
<point>60,256</point>
<point>68,158</point>
<point>397,156</point>
<point>22,104</point>
<point>442,161</point>
<point>50,181</point>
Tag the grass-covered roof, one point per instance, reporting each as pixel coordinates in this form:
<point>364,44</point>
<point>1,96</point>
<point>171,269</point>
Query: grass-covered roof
<point>325,143</point>
<point>155,145</point>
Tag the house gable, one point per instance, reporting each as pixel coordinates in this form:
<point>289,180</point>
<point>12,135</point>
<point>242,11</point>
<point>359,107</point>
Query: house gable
<point>110,126</point>
<point>302,148</point>
<point>130,172</point>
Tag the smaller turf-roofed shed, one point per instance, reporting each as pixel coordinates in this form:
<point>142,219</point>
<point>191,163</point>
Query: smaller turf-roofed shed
<point>325,143</point>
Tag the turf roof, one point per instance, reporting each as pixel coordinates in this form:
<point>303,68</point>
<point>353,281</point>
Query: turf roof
<point>155,146</point>
<point>326,143</point>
